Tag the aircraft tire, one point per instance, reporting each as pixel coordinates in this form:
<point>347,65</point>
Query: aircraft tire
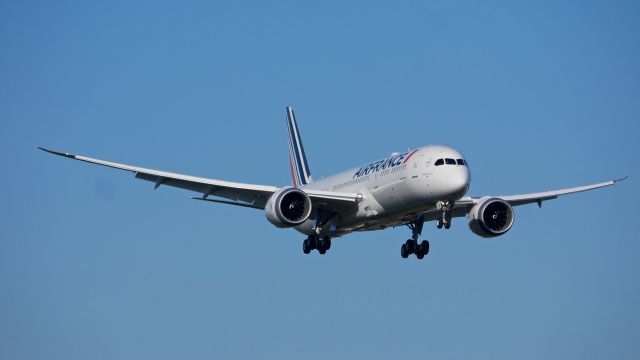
<point>412,246</point>
<point>424,247</point>
<point>306,248</point>
<point>403,251</point>
<point>326,243</point>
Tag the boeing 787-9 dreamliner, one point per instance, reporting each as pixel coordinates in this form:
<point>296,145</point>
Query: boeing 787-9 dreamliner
<point>428,183</point>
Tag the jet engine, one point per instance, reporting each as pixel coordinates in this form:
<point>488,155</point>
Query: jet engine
<point>288,207</point>
<point>490,218</point>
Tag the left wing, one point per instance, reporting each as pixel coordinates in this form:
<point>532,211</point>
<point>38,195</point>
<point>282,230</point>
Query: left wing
<point>464,205</point>
<point>515,200</point>
<point>247,195</point>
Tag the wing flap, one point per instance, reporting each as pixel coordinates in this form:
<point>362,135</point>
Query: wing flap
<point>236,203</point>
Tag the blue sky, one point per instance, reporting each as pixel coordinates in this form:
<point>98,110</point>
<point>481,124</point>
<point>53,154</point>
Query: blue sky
<point>95,264</point>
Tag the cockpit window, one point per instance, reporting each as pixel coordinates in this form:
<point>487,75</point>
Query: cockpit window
<point>450,162</point>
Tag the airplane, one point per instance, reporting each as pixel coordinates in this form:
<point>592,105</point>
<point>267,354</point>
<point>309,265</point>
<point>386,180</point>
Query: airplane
<point>428,183</point>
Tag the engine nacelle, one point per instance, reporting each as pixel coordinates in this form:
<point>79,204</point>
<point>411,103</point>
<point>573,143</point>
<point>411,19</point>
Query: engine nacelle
<point>490,218</point>
<point>288,207</point>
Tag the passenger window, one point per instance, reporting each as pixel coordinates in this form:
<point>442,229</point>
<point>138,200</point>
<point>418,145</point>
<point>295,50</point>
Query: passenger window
<point>439,162</point>
<point>450,161</point>
<point>460,162</point>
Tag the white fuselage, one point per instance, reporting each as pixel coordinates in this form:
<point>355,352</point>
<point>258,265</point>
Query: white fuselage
<point>391,188</point>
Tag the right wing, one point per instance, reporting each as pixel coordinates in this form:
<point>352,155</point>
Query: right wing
<point>247,195</point>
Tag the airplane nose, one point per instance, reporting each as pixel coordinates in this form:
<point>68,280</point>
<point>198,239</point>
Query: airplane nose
<point>458,181</point>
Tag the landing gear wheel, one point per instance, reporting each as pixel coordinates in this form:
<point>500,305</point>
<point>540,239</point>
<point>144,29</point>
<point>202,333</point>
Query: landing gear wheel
<point>447,225</point>
<point>403,251</point>
<point>306,248</point>
<point>424,247</point>
<point>439,224</point>
<point>411,246</point>
<point>322,251</point>
<point>325,243</point>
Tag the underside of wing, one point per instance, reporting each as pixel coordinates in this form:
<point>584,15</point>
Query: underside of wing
<point>515,200</point>
<point>238,193</point>
<point>334,201</point>
<point>248,195</point>
<point>462,207</point>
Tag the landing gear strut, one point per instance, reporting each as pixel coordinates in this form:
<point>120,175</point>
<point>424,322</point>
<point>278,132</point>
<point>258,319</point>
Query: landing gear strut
<point>411,246</point>
<point>445,208</point>
<point>315,242</point>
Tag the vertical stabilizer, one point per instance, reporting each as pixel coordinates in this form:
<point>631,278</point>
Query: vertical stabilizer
<point>300,174</point>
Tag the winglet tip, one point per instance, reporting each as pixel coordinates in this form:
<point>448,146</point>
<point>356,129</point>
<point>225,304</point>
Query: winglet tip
<point>56,152</point>
<point>44,149</point>
<point>621,179</point>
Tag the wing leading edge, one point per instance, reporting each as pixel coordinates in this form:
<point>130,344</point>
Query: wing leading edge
<point>516,200</point>
<point>247,195</point>
<point>464,205</point>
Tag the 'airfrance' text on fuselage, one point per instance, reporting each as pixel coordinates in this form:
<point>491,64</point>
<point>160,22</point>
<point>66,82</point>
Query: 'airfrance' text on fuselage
<point>389,162</point>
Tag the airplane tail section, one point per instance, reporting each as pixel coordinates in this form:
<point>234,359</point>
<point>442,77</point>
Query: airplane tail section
<point>300,174</point>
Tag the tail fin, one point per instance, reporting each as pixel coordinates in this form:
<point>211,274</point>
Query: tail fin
<point>300,174</point>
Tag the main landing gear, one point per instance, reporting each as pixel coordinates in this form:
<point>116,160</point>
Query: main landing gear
<point>411,246</point>
<point>315,242</point>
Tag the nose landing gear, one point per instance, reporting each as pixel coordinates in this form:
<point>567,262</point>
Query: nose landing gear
<point>445,218</point>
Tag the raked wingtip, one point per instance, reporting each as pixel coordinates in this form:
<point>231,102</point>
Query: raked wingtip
<point>59,153</point>
<point>621,179</point>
